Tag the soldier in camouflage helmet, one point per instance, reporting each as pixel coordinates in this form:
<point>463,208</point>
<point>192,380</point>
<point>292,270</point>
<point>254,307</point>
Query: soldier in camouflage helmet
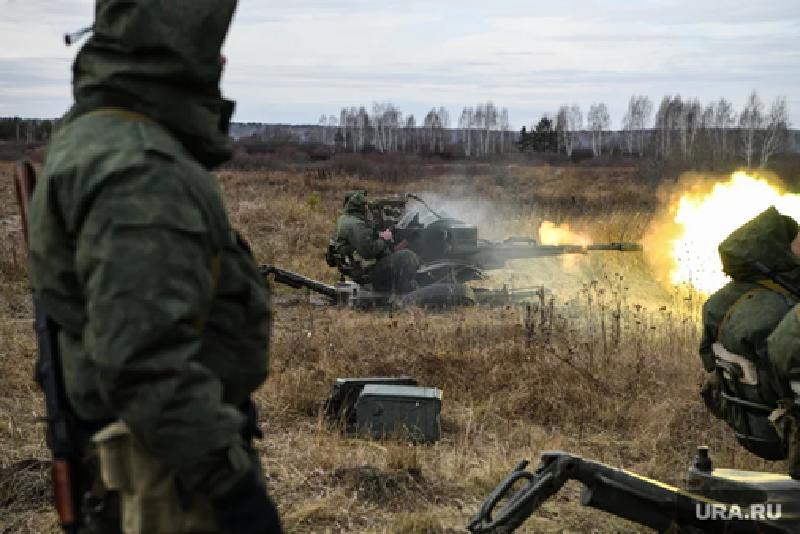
<point>737,321</point>
<point>164,321</point>
<point>389,268</point>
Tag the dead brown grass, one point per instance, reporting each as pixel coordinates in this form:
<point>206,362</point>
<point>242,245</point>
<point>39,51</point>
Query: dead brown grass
<point>608,369</point>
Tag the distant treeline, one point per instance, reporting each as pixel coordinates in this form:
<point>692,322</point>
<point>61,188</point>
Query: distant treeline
<point>684,131</point>
<point>700,136</point>
<point>18,129</point>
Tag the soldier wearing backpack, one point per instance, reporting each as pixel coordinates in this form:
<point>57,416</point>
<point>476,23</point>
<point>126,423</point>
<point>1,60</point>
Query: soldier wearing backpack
<point>745,388</point>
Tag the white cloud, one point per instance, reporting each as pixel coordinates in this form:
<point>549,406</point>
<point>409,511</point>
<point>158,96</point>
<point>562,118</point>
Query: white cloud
<point>292,62</point>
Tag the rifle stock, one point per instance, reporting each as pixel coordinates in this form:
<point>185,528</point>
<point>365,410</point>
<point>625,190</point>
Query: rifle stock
<point>60,434</point>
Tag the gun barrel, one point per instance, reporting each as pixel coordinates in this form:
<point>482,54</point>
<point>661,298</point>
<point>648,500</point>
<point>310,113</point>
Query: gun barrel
<point>298,281</point>
<point>495,255</point>
<point>622,247</point>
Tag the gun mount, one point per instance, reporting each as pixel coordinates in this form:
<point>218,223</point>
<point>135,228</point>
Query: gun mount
<point>452,254</point>
<point>443,293</point>
<point>715,501</point>
<point>440,240</point>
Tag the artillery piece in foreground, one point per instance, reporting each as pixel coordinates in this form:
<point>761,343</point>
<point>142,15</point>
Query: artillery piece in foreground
<point>452,255</point>
<point>714,501</point>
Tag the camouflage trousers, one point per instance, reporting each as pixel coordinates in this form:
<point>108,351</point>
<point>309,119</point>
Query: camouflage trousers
<point>395,273</point>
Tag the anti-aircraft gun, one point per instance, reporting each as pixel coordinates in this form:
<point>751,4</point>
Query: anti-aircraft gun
<point>438,237</point>
<point>714,501</point>
<point>451,252</point>
<point>445,243</point>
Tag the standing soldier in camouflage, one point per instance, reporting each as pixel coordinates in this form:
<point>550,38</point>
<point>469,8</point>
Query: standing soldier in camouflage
<point>163,320</point>
<point>739,318</point>
<point>784,354</point>
<point>389,268</point>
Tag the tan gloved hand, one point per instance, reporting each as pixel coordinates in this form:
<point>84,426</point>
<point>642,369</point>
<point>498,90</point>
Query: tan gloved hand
<point>400,246</point>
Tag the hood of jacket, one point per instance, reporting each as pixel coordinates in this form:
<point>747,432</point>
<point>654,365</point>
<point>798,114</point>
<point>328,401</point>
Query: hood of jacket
<point>767,239</point>
<point>162,60</point>
<point>355,203</point>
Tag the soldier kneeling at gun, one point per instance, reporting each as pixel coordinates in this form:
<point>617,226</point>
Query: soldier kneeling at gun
<point>368,256</point>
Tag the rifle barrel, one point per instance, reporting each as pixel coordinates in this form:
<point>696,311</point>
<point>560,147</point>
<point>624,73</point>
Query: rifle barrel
<point>50,378</point>
<point>24,183</point>
<point>778,279</point>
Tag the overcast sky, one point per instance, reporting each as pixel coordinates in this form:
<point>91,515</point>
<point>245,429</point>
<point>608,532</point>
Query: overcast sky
<point>290,62</point>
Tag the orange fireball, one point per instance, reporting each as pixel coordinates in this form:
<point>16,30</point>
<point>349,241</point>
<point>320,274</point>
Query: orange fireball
<point>700,221</point>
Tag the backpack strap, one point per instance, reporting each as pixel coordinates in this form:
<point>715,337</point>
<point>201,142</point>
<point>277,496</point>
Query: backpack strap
<point>777,288</point>
<point>733,306</point>
<point>766,285</point>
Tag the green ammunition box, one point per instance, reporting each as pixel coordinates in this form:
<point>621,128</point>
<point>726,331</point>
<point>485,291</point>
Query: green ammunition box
<point>402,412</point>
<point>340,404</point>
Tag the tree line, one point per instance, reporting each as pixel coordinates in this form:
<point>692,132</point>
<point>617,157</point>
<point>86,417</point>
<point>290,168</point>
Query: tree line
<point>702,135</point>
<point>19,129</point>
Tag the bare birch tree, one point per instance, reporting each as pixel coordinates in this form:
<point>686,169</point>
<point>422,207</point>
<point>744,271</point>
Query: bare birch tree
<point>504,128</point>
<point>410,136</point>
<point>629,123</point>
<point>489,126</point>
<point>344,123</point>
<point>598,121</point>
<point>332,123</point>
<point>724,121</point>
<point>443,117</point>
<point>562,128</point>
<point>465,123</point>
<point>750,121</point>
<point>690,115</point>
<point>323,129</point>
<point>668,120</point>
<point>774,129</point>
<point>644,113</point>
<point>574,127</point>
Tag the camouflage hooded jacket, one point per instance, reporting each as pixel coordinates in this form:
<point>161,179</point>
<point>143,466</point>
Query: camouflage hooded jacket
<point>164,319</point>
<point>744,312</point>
<point>354,235</point>
<point>784,351</point>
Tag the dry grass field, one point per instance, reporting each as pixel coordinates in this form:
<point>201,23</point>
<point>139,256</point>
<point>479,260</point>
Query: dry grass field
<point>608,370</point>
